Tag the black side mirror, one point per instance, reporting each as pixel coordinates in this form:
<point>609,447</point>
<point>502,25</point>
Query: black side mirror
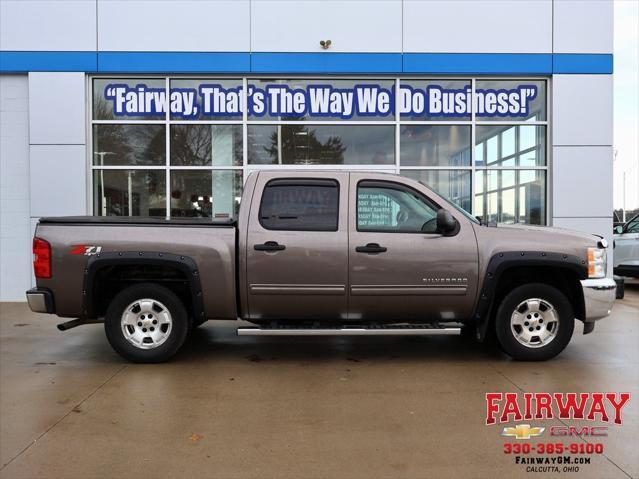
<point>446,223</point>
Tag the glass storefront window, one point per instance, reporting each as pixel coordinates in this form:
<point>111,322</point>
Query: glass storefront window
<point>322,144</point>
<point>129,145</point>
<point>510,145</point>
<point>535,111</point>
<point>435,145</point>
<point>206,145</point>
<point>206,194</point>
<point>222,96</point>
<point>331,95</point>
<point>129,192</point>
<point>511,196</point>
<point>204,134</point>
<point>417,106</point>
<point>454,185</point>
<point>103,104</point>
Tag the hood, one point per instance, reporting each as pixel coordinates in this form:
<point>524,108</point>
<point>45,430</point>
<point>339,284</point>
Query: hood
<point>503,238</point>
<point>553,232</point>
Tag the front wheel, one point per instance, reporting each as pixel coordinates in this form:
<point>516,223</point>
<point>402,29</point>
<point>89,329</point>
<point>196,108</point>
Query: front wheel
<point>146,323</point>
<point>534,322</point>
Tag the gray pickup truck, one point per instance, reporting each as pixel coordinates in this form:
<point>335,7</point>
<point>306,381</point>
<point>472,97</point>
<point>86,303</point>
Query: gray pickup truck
<point>322,253</point>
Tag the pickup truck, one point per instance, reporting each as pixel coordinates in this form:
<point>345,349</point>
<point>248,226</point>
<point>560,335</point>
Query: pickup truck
<point>322,253</point>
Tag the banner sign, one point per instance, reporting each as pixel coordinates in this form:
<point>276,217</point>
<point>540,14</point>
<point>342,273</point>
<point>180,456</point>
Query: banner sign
<point>321,100</point>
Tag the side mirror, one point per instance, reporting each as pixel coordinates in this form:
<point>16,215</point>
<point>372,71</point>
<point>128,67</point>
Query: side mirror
<point>618,229</point>
<point>446,223</point>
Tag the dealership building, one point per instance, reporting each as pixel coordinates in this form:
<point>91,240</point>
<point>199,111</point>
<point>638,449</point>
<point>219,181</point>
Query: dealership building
<point>163,108</point>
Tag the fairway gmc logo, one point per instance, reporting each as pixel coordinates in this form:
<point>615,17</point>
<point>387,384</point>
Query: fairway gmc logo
<point>506,407</point>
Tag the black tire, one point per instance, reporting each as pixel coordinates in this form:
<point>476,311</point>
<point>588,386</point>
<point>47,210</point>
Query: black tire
<point>620,292</point>
<point>506,336</point>
<point>176,335</point>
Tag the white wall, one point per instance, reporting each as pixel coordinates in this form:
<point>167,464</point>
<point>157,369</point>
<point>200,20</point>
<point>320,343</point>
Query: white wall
<point>582,154</point>
<point>478,26</point>
<point>173,25</point>
<point>45,25</point>
<point>15,230</point>
<point>57,113</point>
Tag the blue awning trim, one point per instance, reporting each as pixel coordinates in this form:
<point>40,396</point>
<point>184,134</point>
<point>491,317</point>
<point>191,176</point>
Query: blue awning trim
<point>308,63</point>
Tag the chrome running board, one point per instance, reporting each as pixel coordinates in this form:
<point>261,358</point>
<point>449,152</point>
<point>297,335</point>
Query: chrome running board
<point>378,330</point>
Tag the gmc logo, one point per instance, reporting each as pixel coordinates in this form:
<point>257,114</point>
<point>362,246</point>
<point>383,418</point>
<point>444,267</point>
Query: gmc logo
<point>579,431</point>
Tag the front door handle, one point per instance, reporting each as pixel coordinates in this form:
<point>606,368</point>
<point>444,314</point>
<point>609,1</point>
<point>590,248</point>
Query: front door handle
<point>269,246</point>
<point>371,248</point>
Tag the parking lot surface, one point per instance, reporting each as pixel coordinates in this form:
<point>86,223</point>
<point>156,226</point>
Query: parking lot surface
<point>243,407</point>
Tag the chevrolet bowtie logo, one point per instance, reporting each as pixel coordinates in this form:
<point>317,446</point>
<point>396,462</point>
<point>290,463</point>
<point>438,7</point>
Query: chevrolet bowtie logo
<point>523,431</point>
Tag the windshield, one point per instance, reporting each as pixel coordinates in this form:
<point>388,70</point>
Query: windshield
<point>457,207</point>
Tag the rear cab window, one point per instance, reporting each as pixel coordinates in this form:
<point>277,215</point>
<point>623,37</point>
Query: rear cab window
<point>300,205</point>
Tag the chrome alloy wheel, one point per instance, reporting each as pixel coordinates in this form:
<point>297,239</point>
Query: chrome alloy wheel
<point>534,323</point>
<point>146,323</point>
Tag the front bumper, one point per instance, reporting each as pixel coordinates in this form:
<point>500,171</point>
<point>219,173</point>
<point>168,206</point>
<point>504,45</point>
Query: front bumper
<point>599,296</point>
<point>40,300</point>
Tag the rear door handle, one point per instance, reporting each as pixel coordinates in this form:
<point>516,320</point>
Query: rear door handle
<point>269,246</point>
<point>371,248</point>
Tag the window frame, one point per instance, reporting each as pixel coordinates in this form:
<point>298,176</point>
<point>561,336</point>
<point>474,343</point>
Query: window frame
<point>301,182</point>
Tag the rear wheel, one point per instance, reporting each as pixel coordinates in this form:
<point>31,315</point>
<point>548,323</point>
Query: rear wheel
<point>146,323</point>
<point>534,322</point>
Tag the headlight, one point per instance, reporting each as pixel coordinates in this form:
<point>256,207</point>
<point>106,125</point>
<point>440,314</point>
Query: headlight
<point>596,263</point>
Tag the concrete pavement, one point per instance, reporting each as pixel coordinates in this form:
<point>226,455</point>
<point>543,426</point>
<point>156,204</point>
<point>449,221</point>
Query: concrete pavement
<point>243,407</point>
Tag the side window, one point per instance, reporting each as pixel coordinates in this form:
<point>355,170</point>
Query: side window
<point>389,208</point>
<point>633,226</point>
<point>300,205</point>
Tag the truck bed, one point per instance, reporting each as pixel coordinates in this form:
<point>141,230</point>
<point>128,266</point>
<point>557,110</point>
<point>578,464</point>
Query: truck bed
<point>78,241</point>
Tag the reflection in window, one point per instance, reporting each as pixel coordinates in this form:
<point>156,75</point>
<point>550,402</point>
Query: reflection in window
<point>321,145</point>
<point>205,145</point>
<point>511,196</point>
<point>454,185</point>
<point>435,145</point>
<point>311,206</point>
<point>206,194</point>
<point>129,193</point>
<point>129,145</point>
<point>520,145</point>
<point>393,209</point>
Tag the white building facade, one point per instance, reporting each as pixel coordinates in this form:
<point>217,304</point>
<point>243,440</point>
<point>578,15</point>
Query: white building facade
<point>162,108</point>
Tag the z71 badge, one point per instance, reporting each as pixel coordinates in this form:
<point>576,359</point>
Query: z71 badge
<point>86,250</point>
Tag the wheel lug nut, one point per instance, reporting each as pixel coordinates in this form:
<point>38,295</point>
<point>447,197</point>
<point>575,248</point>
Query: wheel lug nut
<point>144,330</point>
<point>541,321</point>
<point>526,323</point>
<point>142,317</point>
<point>155,321</point>
<point>538,328</point>
<point>153,329</point>
<point>140,324</point>
<point>529,329</point>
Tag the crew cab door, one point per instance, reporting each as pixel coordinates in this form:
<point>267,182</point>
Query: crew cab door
<point>400,267</point>
<point>296,247</point>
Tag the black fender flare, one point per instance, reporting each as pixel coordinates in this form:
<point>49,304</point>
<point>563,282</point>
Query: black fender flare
<point>500,262</point>
<point>183,263</point>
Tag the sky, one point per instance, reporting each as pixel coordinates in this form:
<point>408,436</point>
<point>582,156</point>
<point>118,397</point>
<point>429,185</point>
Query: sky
<point>626,104</point>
